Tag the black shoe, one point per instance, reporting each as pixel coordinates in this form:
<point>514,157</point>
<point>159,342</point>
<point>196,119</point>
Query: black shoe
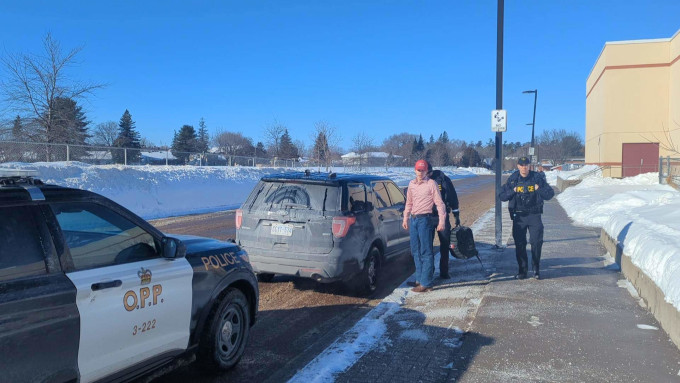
<point>521,276</point>
<point>412,284</point>
<point>444,276</point>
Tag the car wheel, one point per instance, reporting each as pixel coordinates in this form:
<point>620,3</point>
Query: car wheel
<point>367,280</point>
<point>226,334</point>
<point>265,277</point>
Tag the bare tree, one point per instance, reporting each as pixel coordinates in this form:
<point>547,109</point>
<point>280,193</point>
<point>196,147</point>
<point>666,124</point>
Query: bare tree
<point>104,134</point>
<point>234,144</point>
<point>558,145</point>
<point>362,143</point>
<point>34,83</point>
<point>273,133</point>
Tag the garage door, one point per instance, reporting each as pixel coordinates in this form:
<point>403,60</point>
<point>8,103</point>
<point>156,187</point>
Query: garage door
<point>640,158</point>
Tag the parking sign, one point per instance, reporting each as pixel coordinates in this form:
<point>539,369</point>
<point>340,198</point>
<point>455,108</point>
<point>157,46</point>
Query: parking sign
<point>499,120</point>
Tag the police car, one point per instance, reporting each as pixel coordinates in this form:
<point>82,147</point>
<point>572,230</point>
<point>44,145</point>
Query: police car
<point>91,292</point>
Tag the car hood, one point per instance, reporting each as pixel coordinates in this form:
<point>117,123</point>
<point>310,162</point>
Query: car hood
<point>196,244</point>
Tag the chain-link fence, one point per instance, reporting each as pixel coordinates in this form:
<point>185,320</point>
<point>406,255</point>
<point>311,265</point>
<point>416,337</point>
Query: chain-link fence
<point>13,151</point>
<point>669,171</point>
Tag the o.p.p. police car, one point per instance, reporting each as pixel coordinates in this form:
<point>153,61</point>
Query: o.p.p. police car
<point>91,292</point>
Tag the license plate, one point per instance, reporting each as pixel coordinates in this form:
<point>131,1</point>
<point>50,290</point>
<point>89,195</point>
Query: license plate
<point>282,229</point>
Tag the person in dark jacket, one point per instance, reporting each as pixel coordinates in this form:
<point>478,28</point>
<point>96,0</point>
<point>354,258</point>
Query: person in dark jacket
<point>526,190</point>
<point>448,193</point>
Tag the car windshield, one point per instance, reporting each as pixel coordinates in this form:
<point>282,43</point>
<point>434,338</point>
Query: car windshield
<point>283,195</point>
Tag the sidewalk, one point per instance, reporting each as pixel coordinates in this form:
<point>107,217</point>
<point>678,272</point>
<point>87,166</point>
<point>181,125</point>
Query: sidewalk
<point>579,323</point>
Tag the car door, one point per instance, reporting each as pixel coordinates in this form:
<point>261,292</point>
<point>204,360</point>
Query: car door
<point>38,314</point>
<point>134,304</point>
<point>401,240</point>
<point>389,219</point>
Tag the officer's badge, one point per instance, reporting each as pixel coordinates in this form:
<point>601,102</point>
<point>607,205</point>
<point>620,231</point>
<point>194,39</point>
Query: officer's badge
<point>144,275</point>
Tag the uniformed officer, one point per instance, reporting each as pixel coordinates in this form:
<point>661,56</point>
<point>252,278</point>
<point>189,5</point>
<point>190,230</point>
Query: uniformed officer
<point>450,198</point>
<point>526,190</point>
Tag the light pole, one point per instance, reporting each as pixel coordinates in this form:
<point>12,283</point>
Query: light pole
<point>533,124</point>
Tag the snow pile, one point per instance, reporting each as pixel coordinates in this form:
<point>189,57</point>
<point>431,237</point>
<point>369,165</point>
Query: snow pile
<point>163,191</point>
<point>579,173</point>
<point>639,213</point>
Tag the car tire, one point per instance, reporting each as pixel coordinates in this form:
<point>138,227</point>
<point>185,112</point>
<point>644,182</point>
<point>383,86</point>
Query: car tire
<point>367,280</point>
<point>265,277</point>
<point>226,333</point>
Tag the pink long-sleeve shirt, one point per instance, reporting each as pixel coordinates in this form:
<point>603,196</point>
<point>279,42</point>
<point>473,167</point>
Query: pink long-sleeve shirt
<point>421,196</point>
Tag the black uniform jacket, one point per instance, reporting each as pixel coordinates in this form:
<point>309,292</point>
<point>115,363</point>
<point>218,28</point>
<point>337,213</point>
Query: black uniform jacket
<point>527,199</point>
<point>447,190</point>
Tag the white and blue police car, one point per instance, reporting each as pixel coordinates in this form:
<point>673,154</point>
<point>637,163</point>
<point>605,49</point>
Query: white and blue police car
<point>91,292</point>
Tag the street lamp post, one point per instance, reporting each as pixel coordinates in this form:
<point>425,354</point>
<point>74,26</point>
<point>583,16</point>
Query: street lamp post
<point>533,124</point>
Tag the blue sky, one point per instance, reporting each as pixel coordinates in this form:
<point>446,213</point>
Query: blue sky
<point>380,67</point>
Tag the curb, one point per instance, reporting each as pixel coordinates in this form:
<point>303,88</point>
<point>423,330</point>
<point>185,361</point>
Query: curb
<point>664,312</point>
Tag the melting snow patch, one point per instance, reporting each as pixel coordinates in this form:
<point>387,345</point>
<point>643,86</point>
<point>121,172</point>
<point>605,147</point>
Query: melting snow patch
<point>416,334</point>
<point>534,321</point>
<point>625,284</point>
<point>647,327</point>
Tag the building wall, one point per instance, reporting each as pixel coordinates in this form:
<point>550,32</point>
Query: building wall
<point>632,96</point>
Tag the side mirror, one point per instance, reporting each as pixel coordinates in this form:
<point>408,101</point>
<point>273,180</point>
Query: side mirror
<point>173,248</point>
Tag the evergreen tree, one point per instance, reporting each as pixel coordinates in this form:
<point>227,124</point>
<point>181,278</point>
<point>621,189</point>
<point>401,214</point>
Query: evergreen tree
<point>286,147</point>
<point>203,139</point>
<point>444,138</point>
<point>69,126</point>
<point>17,130</point>
<point>470,157</point>
<point>259,150</point>
<point>421,144</point>
<point>321,151</point>
<point>184,143</point>
<point>431,139</point>
<point>128,137</point>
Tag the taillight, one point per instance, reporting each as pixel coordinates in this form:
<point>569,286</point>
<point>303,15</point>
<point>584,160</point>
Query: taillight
<point>341,225</point>
<point>238,218</point>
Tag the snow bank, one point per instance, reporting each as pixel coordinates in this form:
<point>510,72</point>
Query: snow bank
<point>642,215</point>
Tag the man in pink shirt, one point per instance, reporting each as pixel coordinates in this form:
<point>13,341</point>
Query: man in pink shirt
<point>418,220</point>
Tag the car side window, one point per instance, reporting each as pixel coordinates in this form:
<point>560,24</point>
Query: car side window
<point>356,197</point>
<point>21,252</point>
<point>396,195</point>
<point>97,236</point>
<point>381,195</point>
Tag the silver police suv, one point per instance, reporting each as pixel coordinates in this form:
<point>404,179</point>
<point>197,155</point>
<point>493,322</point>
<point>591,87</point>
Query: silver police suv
<point>328,227</point>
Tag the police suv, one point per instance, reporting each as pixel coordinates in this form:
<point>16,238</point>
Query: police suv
<point>91,292</point>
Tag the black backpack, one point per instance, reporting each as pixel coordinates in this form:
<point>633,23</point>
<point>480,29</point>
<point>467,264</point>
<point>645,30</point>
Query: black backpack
<point>463,244</point>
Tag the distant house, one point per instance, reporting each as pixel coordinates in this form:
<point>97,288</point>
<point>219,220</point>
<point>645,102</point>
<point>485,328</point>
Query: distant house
<point>370,159</point>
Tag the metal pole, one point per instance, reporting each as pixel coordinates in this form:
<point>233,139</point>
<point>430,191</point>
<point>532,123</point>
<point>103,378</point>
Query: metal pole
<point>533,124</point>
<point>125,153</point>
<point>499,106</point>
<point>68,154</point>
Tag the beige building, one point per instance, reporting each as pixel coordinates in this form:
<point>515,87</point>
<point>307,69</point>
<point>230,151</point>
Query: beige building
<point>633,106</point>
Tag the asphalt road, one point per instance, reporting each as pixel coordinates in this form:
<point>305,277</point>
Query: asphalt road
<point>298,317</point>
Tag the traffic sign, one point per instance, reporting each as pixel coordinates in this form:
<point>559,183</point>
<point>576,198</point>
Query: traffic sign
<point>499,120</point>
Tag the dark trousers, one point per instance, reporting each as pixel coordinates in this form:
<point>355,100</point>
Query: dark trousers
<point>444,243</point>
<point>520,225</point>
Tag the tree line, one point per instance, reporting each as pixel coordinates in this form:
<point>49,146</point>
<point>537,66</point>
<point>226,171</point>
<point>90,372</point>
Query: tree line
<point>46,103</point>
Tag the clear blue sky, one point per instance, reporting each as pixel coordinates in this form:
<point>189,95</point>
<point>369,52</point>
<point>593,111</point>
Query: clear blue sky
<point>379,67</point>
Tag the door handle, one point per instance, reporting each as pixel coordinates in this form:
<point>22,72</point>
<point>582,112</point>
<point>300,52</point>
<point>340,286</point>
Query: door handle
<point>106,285</point>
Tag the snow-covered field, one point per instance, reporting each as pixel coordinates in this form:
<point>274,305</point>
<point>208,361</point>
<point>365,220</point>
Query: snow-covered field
<point>637,211</point>
<point>164,191</point>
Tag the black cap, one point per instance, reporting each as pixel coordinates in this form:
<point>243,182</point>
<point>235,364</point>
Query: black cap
<point>523,161</point>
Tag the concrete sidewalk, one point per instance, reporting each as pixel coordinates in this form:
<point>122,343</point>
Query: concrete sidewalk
<point>579,323</point>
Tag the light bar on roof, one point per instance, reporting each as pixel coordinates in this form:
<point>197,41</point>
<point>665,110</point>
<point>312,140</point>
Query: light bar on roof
<point>4,172</point>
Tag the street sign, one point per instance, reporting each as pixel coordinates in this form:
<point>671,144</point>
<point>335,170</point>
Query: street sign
<point>531,151</point>
<point>499,120</point>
